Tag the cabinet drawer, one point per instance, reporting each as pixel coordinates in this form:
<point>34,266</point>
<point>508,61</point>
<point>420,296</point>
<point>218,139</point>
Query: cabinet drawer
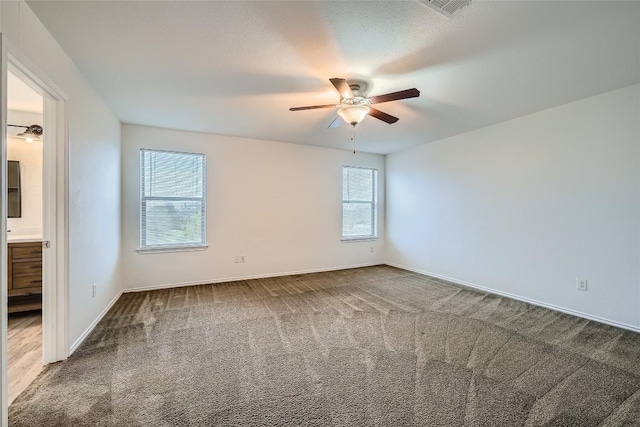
<point>26,268</point>
<point>27,252</point>
<point>22,283</point>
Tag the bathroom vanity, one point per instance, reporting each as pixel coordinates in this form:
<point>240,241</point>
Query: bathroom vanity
<point>24,279</point>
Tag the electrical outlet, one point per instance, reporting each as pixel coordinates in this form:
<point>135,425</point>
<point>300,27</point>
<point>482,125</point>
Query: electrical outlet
<point>242,258</point>
<point>581,284</point>
<point>93,290</point>
<point>236,259</point>
<point>371,249</point>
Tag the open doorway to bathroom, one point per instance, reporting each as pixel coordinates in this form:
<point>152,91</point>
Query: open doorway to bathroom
<point>25,109</point>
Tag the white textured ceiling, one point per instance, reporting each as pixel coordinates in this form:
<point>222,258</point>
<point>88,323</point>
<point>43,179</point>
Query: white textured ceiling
<point>20,97</point>
<point>234,68</point>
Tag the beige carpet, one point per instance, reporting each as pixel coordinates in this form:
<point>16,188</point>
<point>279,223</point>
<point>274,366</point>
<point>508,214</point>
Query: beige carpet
<point>373,346</point>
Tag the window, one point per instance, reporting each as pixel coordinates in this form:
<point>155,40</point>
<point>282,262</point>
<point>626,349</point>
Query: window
<point>172,200</point>
<point>359,203</point>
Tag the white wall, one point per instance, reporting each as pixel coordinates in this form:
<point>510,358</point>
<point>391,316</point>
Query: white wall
<point>527,206</point>
<point>29,154</point>
<point>277,204</point>
<point>94,170</point>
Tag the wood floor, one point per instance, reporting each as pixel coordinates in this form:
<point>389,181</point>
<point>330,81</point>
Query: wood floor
<point>24,359</point>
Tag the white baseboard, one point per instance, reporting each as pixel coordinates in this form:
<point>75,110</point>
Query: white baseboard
<point>520,298</point>
<point>238,278</point>
<point>93,324</point>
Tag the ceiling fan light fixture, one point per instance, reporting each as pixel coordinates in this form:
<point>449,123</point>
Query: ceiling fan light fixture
<point>353,114</point>
<point>31,133</point>
<point>29,137</point>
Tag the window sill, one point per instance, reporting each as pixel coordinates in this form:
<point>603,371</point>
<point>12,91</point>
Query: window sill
<point>359,239</point>
<point>145,251</point>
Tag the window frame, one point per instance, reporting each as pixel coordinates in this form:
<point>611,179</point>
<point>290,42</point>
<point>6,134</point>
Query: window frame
<point>172,247</point>
<point>373,203</point>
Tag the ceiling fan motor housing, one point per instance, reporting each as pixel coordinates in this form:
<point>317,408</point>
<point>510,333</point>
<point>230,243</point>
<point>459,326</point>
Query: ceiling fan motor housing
<point>360,96</point>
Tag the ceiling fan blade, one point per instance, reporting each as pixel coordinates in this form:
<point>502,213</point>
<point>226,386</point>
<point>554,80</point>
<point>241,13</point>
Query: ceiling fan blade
<point>342,86</point>
<point>382,116</point>
<point>394,96</point>
<point>312,107</point>
<point>335,123</point>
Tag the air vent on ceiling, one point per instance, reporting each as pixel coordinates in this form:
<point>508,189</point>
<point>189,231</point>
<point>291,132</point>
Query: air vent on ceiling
<point>446,7</point>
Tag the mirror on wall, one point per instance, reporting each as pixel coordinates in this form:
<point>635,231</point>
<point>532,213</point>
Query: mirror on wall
<point>14,202</point>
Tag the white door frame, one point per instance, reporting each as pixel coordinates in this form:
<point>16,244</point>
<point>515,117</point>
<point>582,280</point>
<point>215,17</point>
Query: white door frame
<point>3,232</point>
<point>55,207</point>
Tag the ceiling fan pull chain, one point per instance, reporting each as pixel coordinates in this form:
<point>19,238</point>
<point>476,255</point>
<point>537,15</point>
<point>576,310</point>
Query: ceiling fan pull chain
<point>353,138</point>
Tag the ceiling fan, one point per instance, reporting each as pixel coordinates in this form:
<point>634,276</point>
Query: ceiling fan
<point>355,104</point>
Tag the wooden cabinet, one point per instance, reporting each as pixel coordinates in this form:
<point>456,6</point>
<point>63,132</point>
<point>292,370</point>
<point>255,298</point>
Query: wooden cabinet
<point>24,276</point>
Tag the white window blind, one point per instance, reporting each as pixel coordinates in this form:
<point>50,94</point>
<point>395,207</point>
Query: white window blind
<point>172,199</point>
<point>359,202</point>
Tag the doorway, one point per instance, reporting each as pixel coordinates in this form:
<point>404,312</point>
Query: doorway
<point>54,201</point>
<point>25,110</point>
